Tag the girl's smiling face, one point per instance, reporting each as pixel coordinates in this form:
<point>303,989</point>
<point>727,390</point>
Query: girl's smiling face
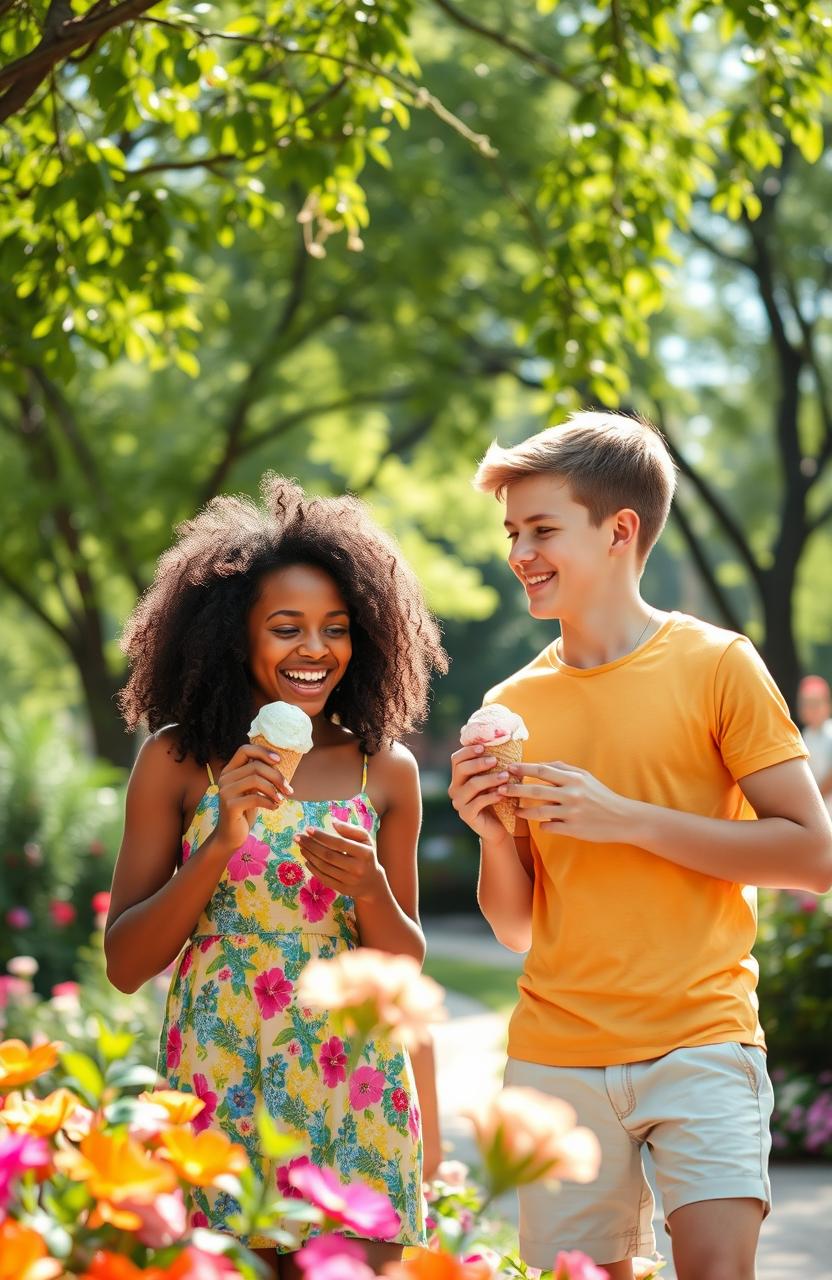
<point>299,642</point>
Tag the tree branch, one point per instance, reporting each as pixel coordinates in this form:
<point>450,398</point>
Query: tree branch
<point>285,424</point>
<point>526,52</point>
<point>714,503</point>
<point>63,34</point>
<point>706,572</point>
<point>735,260</point>
<point>406,439</point>
<point>88,466</point>
<point>33,605</point>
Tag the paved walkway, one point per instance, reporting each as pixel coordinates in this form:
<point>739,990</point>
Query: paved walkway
<point>796,1241</point>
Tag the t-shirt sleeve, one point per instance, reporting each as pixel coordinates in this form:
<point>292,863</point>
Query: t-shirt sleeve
<point>752,724</point>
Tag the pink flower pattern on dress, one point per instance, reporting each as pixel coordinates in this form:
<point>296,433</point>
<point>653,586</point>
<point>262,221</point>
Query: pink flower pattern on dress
<point>273,991</point>
<point>333,1061</point>
<point>289,873</point>
<point>249,860</point>
<point>353,1205</point>
<point>174,1048</point>
<point>203,1120</point>
<point>400,1100</point>
<point>366,1087</point>
<point>315,898</point>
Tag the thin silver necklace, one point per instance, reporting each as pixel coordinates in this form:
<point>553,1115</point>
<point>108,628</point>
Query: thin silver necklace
<point>622,655</point>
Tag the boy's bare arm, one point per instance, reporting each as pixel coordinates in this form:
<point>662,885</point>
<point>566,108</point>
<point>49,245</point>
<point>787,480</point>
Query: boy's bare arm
<point>506,878</point>
<point>788,847</point>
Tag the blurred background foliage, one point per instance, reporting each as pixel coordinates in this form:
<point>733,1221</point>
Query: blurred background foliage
<point>354,243</point>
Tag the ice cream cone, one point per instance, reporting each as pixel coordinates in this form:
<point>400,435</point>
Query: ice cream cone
<point>506,753</point>
<point>289,759</point>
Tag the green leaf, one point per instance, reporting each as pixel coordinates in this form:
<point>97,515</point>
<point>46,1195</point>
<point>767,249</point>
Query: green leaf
<point>84,1072</point>
<point>131,1076</point>
<point>276,1145</point>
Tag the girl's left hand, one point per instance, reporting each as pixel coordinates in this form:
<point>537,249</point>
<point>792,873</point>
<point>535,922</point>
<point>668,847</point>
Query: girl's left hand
<point>345,859</point>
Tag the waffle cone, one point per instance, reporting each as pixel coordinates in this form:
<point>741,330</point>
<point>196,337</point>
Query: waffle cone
<point>507,753</point>
<point>289,760</point>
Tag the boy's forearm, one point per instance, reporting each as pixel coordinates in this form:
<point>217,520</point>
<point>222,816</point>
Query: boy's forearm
<point>773,852</point>
<point>504,893</point>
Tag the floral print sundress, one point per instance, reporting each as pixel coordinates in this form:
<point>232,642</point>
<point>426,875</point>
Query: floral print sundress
<point>234,1034</point>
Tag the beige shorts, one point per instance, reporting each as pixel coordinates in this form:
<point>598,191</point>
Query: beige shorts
<point>704,1113</point>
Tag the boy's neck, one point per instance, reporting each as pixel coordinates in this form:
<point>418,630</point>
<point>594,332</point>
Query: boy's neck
<point>604,635</point>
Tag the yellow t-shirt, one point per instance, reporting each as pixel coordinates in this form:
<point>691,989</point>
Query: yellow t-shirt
<point>632,955</point>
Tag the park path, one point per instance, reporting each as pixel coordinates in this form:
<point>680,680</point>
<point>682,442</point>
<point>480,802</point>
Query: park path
<point>796,1240</point>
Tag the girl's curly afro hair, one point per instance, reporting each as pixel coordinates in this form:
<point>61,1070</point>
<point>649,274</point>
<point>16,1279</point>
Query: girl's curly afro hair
<point>187,642</point>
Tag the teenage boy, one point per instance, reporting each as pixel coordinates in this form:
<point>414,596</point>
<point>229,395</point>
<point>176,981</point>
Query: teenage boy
<point>663,780</point>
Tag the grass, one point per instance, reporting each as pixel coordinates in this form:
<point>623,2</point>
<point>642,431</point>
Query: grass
<point>493,986</point>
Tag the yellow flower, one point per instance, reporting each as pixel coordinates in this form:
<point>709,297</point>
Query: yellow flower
<point>40,1116</point>
<point>181,1107</point>
<point>19,1064</point>
<point>116,1168</point>
<point>202,1158</point>
<point>23,1254</point>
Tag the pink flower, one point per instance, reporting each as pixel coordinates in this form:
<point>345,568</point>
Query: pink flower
<point>524,1135</point>
<point>205,944</point>
<point>186,962</point>
<point>62,913</point>
<point>454,1173</point>
<point>249,860</point>
<point>19,1152</point>
<point>186,850</point>
<point>414,1123</point>
<point>575,1265</point>
<point>374,989</point>
<point>366,1087</point>
<point>399,1100</point>
<point>334,1258</point>
<point>66,989</point>
<point>11,988</point>
<point>293,1048</point>
<point>164,1220</point>
<point>289,873</point>
<point>199,1265</point>
<point>341,812</point>
<point>101,903</point>
<point>333,1062</point>
<point>273,991</point>
<point>314,899</point>
<point>199,1219</point>
<point>65,996</point>
<point>18,918</point>
<point>203,1120</point>
<point>224,974</point>
<point>359,1208</point>
<point>364,815</point>
<point>283,1175</point>
<point>173,1049</point>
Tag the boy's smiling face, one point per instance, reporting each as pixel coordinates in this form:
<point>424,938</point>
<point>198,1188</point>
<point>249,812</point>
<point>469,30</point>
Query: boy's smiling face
<point>562,559</point>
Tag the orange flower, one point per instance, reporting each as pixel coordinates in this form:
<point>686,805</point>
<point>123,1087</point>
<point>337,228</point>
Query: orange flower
<point>111,1266</point>
<point>181,1107</point>
<point>23,1254</point>
<point>19,1064</point>
<point>430,1264</point>
<point>115,1168</point>
<point>40,1116</point>
<point>202,1158</point>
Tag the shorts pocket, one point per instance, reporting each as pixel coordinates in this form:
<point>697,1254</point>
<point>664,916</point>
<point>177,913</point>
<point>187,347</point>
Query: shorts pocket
<point>748,1058</point>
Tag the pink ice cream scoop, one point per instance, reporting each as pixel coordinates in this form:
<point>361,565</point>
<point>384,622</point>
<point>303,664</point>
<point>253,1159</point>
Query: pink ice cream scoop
<point>492,725</point>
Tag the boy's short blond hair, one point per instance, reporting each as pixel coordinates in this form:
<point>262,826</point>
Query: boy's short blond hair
<point>609,460</point>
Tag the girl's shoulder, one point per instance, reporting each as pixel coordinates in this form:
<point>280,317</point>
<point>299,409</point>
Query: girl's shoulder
<point>160,757</point>
<point>393,775</point>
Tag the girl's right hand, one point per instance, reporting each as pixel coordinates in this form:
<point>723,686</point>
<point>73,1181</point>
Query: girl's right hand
<point>473,791</point>
<point>250,781</point>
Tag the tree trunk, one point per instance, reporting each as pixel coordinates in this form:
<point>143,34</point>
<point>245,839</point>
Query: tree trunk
<point>779,648</point>
<point>110,739</point>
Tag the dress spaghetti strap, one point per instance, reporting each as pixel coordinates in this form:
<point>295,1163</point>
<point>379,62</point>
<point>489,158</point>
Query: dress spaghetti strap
<point>210,775</point>
<point>364,774</point>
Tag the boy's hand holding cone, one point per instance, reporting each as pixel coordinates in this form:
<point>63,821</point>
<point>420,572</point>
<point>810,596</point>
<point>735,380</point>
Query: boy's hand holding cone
<point>503,733</point>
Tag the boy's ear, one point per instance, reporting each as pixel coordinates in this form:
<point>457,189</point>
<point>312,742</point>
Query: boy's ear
<point>624,525</point>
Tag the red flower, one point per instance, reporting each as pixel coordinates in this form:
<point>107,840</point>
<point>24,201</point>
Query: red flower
<point>101,903</point>
<point>282,1175</point>
<point>400,1100</point>
<point>289,873</point>
<point>333,1062</point>
<point>62,913</point>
